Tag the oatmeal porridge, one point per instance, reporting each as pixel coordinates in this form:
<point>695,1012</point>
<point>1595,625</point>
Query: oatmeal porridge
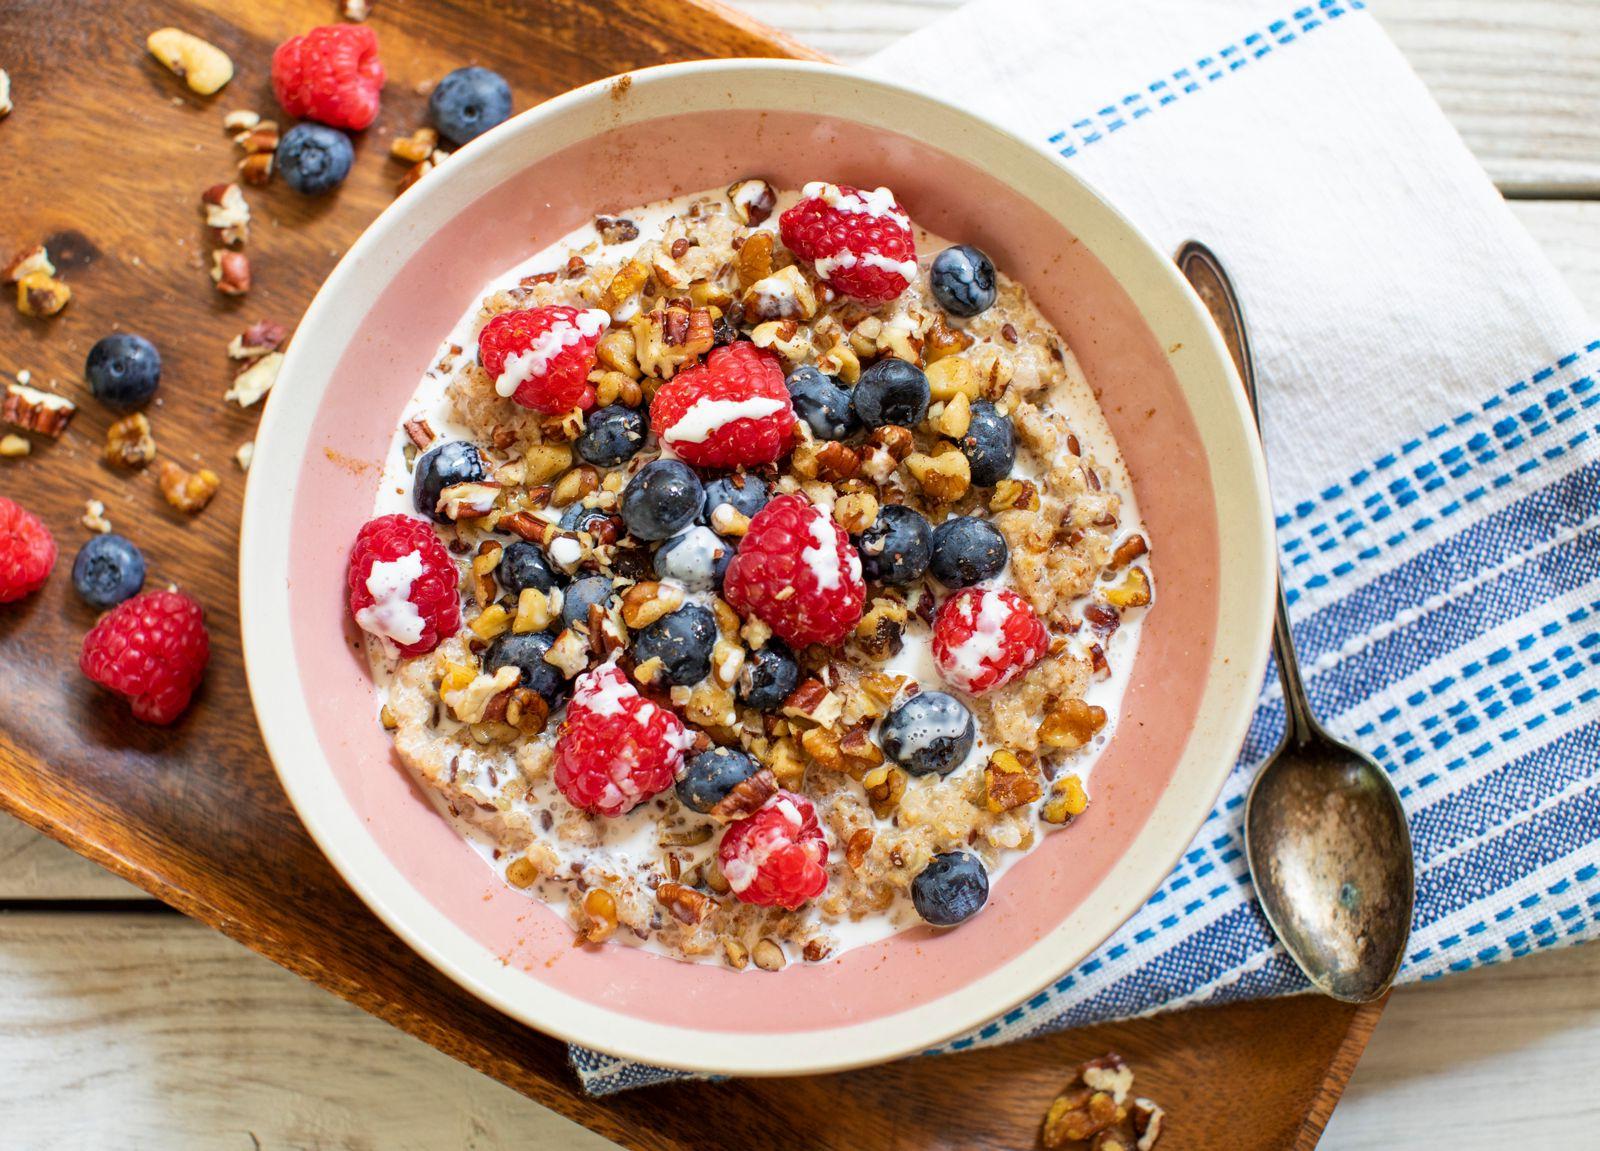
<point>753,576</point>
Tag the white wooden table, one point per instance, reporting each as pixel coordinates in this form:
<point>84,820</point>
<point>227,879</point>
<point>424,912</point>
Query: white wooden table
<point>124,1025</point>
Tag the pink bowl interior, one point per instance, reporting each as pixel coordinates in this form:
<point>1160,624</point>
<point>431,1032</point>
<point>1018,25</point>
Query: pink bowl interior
<point>396,341</point>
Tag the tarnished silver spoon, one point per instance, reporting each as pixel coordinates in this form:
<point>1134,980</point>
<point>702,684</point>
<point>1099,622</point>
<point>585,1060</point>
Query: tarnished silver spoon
<point>1324,832</point>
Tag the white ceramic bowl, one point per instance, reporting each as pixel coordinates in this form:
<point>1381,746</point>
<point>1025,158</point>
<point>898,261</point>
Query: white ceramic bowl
<point>1168,391</point>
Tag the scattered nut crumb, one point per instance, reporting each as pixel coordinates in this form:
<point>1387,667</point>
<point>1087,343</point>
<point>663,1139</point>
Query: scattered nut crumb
<point>5,94</point>
<point>1096,1105</point>
<point>355,10</point>
<point>186,491</point>
<point>202,66</point>
<point>41,295</point>
<point>243,454</point>
<point>14,447</point>
<point>257,340</point>
<point>227,213</point>
<point>240,120</point>
<point>255,381</point>
<point>129,443</point>
<point>415,148</point>
<point>94,517</point>
<point>230,272</point>
<point>28,262</point>
<point>34,411</point>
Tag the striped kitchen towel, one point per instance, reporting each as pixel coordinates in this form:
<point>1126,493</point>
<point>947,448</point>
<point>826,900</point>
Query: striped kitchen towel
<point>1430,406</point>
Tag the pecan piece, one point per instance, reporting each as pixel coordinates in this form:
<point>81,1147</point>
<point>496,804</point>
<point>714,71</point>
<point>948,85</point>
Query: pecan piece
<point>685,903</point>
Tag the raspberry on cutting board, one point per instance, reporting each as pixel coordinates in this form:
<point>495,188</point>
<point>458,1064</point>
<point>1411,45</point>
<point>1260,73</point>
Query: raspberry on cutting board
<point>777,857</point>
<point>152,649</point>
<point>27,552</point>
<point>616,748</point>
<point>797,571</point>
<point>330,74</point>
<point>731,410</point>
<point>984,638</point>
<point>403,585</point>
<point>858,242</point>
<point>541,357</point>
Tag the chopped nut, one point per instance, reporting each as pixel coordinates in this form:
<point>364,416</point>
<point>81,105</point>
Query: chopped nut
<point>527,711</point>
<point>243,454</point>
<point>230,272</point>
<point>202,66</point>
<point>416,172</point>
<point>186,491</point>
<point>942,340</point>
<point>255,381</point>
<point>129,443</point>
<point>259,339</point>
<point>1076,1116</point>
<point>624,286</point>
<point>894,439</point>
<point>755,260</point>
<point>34,411</point>
<point>644,603</point>
<point>727,660</point>
<point>812,701</point>
<point>481,572</point>
<point>1008,782</point>
<point>686,904</point>
<point>467,500</point>
<point>1068,724</point>
<point>736,954</point>
<point>240,120</point>
<point>469,702</point>
<point>1010,494</point>
<point>753,200</point>
<point>954,420</point>
<point>600,906</point>
<point>29,262</point>
<point>1067,800</point>
<point>256,168</point>
<point>784,295</point>
<point>1127,551</point>
<point>1133,591</point>
<point>569,654</point>
<point>41,295</point>
<point>522,872</point>
<point>855,512</point>
<point>616,230</point>
<point>944,479</point>
<point>768,955</point>
<point>855,851</point>
<point>885,785</point>
<point>574,486</point>
<point>671,337</point>
<point>950,377</point>
<point>5,94</point>
<point>785,337</point>
<point>415,148</point>
<point>388,718</point>
<point>1147,1120</point>
<point>355,10</point>
<point>1109,1073</point>
<point>14,447</point>
<point>536,610</point>
<point>227,213</point>
<point>746,797</point>
<point>727,520</point>
<point>94,517</point>
<point>547,461</point>
<point>880,631</point>
<point>842,361</point>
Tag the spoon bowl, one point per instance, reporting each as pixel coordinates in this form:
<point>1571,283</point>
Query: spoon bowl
<point>1325,835</point>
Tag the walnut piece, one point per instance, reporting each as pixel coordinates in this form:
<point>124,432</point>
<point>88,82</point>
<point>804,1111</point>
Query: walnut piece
<point>187,491</point>
<point>129,443</point>
<point>41,296</point>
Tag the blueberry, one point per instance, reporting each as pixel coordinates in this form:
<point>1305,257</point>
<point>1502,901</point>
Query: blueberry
<point>745,493</point>
<point>108,570</point>
<point>821,403</point>
<point>575,601</point>
<point>951,889</point>
<point>612,435</point>
<point>468,102</point>
<point>710,776</point>
<point>891,391</point>
<point>696,557</point>
<point>664,497</point>
<point>990,444</point>
<point>967,550</point>
<point>769,676</point>
<point>123,370</point>
<point>452,462</point>
<point>930,733</point>
<point>602,525</point>
<point>314,158</point>
<point>682,641</point>
<point>524,565</point>
<point>962,278</point>
<point>897,547</point>
<point>526,654</point>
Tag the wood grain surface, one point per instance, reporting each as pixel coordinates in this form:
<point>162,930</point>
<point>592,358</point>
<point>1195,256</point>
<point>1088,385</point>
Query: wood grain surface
<point>110,179</point>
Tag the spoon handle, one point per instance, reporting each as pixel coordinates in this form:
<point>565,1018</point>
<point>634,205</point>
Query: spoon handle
<point>1205,274</point>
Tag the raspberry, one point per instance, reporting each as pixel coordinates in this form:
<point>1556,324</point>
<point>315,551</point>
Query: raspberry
<point>777,857</point>
<point>984,638</point>
<point>27,552</point>
<point>616,748</point>
<point>732,410</point>
<point>797,571</point>
<point>151,648</point>
<point>542,357</point>
<point>403,585</point>
<point>858,243</point>
<point>331,75</point>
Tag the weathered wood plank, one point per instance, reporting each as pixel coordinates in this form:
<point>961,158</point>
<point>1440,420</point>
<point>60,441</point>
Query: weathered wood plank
<point>33,866</point>
<point>1521,82</point>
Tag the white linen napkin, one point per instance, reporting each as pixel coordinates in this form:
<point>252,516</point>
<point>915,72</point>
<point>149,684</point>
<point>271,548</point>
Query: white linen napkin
<point>1430,419</point>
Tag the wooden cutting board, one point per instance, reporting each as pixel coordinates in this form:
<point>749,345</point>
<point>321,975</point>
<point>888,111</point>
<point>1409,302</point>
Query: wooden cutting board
<point>105,158</point>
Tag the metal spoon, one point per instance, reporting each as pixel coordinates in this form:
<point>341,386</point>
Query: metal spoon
<point>1324,832</point>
